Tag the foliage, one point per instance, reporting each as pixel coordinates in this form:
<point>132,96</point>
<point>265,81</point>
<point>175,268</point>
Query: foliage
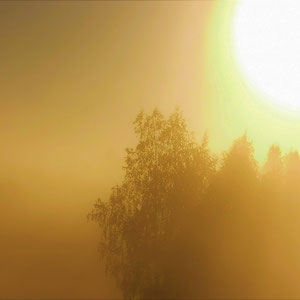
<point>178,226</point>
<point>166,176</point>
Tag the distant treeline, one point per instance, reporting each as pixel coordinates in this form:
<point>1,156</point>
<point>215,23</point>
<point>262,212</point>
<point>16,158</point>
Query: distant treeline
<point>187,224</point>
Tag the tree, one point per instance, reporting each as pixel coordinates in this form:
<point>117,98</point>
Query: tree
<point>272,209</point>
<point>233,202</point>
<point>292,172</point>
<point>179,227</point>
<point>273,169</point>
<point>147,220</point>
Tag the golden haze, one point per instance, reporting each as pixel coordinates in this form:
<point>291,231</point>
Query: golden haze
<point>74,75</point>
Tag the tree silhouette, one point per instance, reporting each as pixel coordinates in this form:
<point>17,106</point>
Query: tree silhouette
<point>143,223</point>
<point>273,167</point>
<point>232,202</point>
<point>183,224</point>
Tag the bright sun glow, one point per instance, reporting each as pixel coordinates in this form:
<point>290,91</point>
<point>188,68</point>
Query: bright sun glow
<point>266,36</point>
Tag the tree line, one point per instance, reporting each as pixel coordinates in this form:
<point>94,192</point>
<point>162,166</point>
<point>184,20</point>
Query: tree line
<point>185,223</point>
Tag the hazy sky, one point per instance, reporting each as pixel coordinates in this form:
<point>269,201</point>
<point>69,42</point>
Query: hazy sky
<point>73,77</point>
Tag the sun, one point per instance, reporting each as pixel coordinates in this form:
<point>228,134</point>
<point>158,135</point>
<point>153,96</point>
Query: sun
<point>266,40</point>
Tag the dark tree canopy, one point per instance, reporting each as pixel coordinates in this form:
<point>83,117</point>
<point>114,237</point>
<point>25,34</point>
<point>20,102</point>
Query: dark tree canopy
<point>183,224</point>
<point>166,175</point>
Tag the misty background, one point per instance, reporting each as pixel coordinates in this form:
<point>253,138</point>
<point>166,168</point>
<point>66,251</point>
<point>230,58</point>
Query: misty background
<point>73,77</point>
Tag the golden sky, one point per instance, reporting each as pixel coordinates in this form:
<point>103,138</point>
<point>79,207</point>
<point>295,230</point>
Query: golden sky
<point>73,77</point>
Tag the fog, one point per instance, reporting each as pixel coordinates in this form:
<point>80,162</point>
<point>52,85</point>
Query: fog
<point>73,77</point>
